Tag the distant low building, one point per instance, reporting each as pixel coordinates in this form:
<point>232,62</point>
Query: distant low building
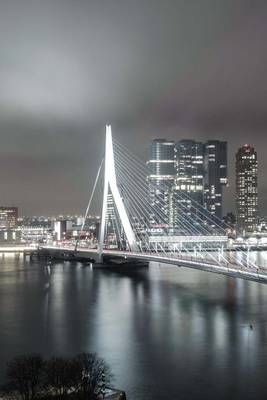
<point>61,228</point>
<point>230,224</point>
<point>79,221</point>
<point>8,217</point>
<point>230,219</point>
<point>262,225</point>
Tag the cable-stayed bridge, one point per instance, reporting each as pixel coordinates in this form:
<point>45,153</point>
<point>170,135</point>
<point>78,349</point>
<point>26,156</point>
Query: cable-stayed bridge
<point>143,218</point>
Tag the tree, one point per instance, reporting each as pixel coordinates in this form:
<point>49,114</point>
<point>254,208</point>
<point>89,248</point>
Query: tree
<point>61,375</point>
<point>24,376</point>
<point>94,375</point>
<point>85,376</point>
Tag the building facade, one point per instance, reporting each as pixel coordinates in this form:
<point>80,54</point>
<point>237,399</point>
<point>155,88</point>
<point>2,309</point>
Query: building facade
<point>247,189</point>
<point>161,175</point>
<point>187,178</point>
<point>60,228</point>
<point>8,217</point>
<point>189,163</point>
<point>215,176</point>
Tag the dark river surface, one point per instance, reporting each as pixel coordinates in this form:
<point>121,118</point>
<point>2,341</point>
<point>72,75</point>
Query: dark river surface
<point>167,332</point>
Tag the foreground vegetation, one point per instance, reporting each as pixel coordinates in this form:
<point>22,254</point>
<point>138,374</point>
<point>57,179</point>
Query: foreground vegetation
<point>30,377</point>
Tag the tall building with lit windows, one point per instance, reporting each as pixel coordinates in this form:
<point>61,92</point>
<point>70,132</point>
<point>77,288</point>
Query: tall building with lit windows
<point>161,174</point>
<point>188,177</point>
<point>215,165</point>
<point>247,189</point>
<point>189,180</point>
<point>189,161</point>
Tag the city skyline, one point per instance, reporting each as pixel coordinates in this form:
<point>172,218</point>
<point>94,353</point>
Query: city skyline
<point>186,174</point>
<point>225,205</point>
<point>193,70</point>
<point>133,199</point>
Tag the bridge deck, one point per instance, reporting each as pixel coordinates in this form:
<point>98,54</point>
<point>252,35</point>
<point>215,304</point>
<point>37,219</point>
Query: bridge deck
<point>187,261</point>
<point>17,249</point>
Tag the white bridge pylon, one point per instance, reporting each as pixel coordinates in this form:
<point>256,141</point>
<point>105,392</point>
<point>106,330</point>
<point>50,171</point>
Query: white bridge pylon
<point>111,182</point>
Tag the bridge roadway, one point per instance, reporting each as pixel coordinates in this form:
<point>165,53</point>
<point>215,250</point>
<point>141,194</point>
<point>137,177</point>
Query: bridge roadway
<point>225,268</point>
<point>17,248</point>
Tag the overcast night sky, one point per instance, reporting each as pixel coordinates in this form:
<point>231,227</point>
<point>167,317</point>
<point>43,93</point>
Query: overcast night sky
<point>152,68</point>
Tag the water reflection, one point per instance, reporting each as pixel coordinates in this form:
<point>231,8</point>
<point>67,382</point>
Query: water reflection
<point>166,331</point>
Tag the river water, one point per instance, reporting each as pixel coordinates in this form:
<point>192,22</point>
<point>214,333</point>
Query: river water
<point>167,332</point>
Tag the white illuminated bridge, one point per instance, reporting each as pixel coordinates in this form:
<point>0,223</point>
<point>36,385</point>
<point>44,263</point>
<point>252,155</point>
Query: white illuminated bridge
<point>134,226</point>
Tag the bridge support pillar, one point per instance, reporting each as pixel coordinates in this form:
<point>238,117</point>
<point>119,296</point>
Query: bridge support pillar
<point>110,182</point>
<point>99,259</point>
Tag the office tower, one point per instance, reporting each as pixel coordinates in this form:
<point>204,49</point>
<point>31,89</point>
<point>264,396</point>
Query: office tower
<point>188,188</point>
<point>246,189</point>
<point>161,173</point>
<point>189,162</point>
<point>215,176</point>
<point>8,217</point>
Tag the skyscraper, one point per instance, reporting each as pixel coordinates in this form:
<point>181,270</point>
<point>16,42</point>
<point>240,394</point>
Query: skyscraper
<point>161,173</point>
<point>187,195</point>
<point>194,174</point>
<point>246,189</point>
<point>215,176</point>
<point>189,158</point>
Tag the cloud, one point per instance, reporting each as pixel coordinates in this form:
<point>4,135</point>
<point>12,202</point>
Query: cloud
<point>151,68</point>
